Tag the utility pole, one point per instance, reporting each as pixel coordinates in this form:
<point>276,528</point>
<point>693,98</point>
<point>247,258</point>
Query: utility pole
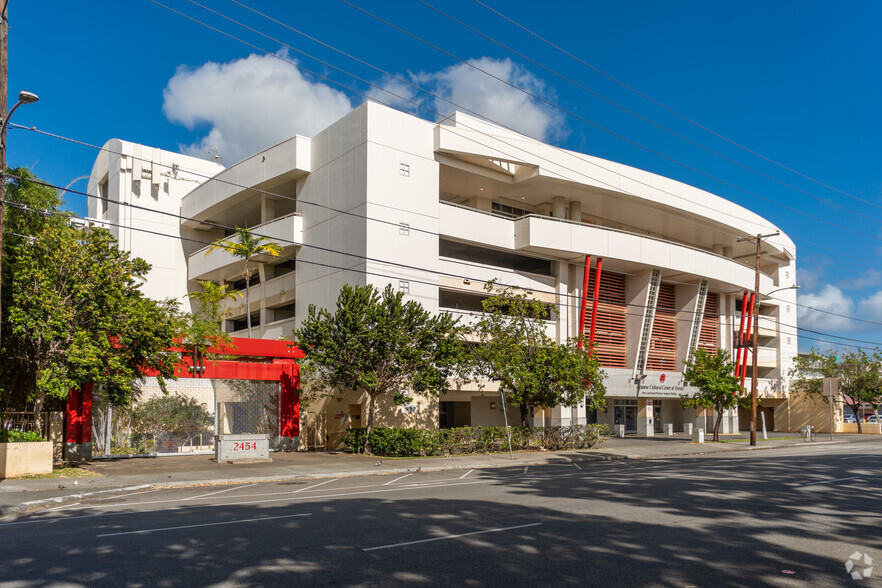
<point>756,296</point>
<point>4,89</point>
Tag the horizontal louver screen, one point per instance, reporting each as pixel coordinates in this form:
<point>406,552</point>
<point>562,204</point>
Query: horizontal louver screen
<point>709,337</point>
<point>663,341</point>
<point>610,343</point>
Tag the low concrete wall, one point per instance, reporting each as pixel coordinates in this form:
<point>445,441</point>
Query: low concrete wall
<point>24,459</point>
<point>866,428</point>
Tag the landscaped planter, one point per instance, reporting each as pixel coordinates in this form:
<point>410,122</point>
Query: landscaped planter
<point>25,458</point>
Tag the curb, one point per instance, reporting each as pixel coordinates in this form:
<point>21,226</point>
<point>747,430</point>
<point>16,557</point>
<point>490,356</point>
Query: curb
<point>32,505</point>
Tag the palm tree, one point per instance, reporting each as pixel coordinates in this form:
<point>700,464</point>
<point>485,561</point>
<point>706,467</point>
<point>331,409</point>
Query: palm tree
<point>247,246</point>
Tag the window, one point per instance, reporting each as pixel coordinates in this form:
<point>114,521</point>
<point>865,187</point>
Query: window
<point>286,267</point>
<point>284,312</point>
<point>404,229</point>
<point>503,259</point>
<point>241,324</point>
<point>404,169</point>
<point>240,284</point>
<point>509,211</point>
<point>404,286</point>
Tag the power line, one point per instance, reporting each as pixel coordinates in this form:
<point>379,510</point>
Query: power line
<point>364,217</point>
<point>571,306</point>
<point>646,119</point>
<point>613,133</point>
<point>671,110</point>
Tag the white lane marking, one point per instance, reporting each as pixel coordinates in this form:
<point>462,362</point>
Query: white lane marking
<point>526,468</point>
<point>314,486</point>
<point>466,474</point>
<point>145,531</point>
<point>450,537</point>
<point>577,466</point>
<point>396,479</point>
<point>130,494</point>
<point>828,481</point>
<point>62,507</point>
<point>213,493</point>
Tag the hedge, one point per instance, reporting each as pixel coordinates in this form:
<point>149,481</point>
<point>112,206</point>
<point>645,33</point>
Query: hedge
<point>466,440</point>
<point>14,436</point>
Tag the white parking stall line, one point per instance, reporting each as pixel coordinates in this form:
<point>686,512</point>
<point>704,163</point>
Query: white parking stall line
<point>63,507</point>
<point>130,494</point>
<point>315,485</point>
<point>396,479</point>
<point>450,537</point>
<point>145,531</point>
<point>577,466</point>
<point>830,481</point>
<point>466,474</point>
<point>218,492</point>
<point>526,468</point>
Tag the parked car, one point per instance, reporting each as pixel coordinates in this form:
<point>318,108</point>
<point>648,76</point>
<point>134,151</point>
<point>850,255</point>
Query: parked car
<point>849,418</point>
<point>871,419</point>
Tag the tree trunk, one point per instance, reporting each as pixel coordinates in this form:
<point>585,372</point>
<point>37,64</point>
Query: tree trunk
<point>370,424</point>
<point>248,303</point>
<point>717,424</point>
<point>38,410</point>
<point>525,410</point>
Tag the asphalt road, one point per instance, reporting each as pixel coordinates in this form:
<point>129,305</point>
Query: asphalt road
<point>790,517</point>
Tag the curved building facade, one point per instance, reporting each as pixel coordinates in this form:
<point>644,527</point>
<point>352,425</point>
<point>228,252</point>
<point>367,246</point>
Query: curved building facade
<point>439,209</point>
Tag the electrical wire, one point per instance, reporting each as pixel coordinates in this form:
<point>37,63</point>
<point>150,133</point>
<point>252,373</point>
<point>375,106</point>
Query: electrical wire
<point>648,120</point>
<point>570,306</point>
<point>672,111</point>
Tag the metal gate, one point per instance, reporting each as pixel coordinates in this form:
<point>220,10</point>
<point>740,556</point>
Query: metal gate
<point>186,420</point>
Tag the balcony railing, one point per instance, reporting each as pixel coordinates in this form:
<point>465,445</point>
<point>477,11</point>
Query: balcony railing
<point>598,227</point>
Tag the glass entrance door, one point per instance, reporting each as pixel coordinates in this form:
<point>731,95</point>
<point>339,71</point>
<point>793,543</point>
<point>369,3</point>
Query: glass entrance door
<point>630,419</point>
<point>657,419</point>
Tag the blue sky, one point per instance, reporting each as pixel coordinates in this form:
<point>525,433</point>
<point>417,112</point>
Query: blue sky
<point>796,83</point>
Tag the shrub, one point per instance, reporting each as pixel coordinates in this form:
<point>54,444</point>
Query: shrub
<point>464,440</point>
<point>14,436</point>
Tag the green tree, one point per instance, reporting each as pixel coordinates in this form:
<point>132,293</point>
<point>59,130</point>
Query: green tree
<point>858,373</point>
<point>718,388</point>
<point>204,327</point>
<point>246,246</point>
<point>73,309</point>
<point>378,345</point>
<point>533,370</point>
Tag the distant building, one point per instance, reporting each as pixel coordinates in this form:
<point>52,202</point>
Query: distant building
<point>437,209</point>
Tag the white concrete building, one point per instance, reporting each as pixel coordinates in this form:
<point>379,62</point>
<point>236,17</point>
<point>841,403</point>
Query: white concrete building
<point>437,209</point>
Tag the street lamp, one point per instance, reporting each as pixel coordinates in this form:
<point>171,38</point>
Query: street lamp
<point>753,377</point>
<point>23,98</point>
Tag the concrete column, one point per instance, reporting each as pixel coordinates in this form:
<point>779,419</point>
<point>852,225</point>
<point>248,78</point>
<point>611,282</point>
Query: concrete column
<point>575,213</point>
<point>718,249</point>
<point>267,210</point>
<point>558,207</point>
<point>645,424</point>
<point>565,304</point>
<point>482,203</point>
<point>728,252</point>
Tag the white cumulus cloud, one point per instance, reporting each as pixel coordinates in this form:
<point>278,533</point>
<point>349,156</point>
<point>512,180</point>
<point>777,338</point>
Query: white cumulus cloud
<point>485,87</point>
<point>870,308</point>
<point>249,104</point>
<point>829,299</point>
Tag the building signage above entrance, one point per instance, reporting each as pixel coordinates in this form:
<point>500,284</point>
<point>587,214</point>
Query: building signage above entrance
<point>620,383</point>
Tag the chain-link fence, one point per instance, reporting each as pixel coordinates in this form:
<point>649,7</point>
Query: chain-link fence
<point>186,419</point>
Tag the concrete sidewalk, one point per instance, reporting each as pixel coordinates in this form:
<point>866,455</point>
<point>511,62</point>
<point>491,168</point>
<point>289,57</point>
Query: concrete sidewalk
<point>123,475</point>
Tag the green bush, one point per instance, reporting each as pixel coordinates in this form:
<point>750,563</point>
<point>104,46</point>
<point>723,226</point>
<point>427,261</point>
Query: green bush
<point>465,440</point>
<point>19,436</point>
